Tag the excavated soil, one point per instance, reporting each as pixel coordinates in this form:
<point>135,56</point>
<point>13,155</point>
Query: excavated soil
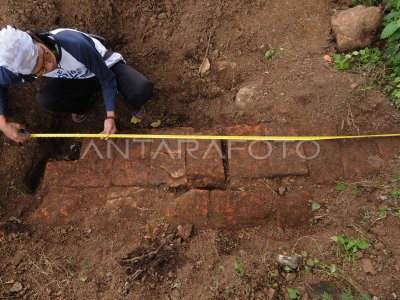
<point>167,40</point>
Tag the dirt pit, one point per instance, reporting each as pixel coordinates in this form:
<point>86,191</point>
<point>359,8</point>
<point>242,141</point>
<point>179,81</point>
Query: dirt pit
<point>168,42</point>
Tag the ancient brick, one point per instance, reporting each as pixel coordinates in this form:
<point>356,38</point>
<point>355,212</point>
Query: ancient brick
<point>259,159</point>
<point>327,165</point>
<point>204,162</point>
<point>293,210</point>
<point>63,206</point>
<point>228,209</point>
<point>191,207</point>
<point>388,147</point>
<point>360,158</point>
<point>80,173</point>
<point>287,158</point>
<point>167,160</point>
<point>131,162</point>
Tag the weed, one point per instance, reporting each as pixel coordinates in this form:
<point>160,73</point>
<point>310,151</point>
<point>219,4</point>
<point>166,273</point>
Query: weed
<point>365,2</point>
<point>347,294</point>
<point>85,266</point>
<point>312,221</point>
<point>326,296</point>
<point>356,191</point>
<point>383,212</point>
<point>340,187</point>
<point>395,194</point>
<point>347,248</point>
<point>239,268</point>
<point>293,294</point>
<point>315,206</point>
<point>85,278</point>
<point>271,52</point>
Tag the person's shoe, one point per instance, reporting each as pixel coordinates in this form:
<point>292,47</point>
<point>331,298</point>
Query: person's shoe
<point>140,114</point>
<point>79,118</point>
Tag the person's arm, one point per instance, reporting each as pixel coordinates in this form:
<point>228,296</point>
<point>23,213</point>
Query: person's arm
<point>10,129</point>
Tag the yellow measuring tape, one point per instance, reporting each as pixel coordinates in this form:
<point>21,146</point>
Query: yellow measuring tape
<point>208,137</point>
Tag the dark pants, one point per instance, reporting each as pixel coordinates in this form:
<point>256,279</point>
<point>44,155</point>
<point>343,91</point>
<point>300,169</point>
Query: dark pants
<point>74,95</point>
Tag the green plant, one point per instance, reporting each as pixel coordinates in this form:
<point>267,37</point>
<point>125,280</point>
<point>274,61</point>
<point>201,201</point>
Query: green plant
<point>365,297</point>
<point>383,212</point>
<point>356,191</point>
<point>271,52</point>
<point>364,2</point>
<point>315,206</point>
<point>340,187</point>
<point>293,294</point>
<point>326,296</point>
<point>239,268</point>
<point>85,278</point>
<point>391,33</point>
<point>347,295</point>
<point>395,194</point>
<point>347,247</point>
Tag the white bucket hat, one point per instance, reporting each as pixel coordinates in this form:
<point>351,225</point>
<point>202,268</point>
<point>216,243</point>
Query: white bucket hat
<point>18,52</point>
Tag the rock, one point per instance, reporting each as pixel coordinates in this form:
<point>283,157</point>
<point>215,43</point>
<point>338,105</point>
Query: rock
<point>225,73</point>
<point>291,261</point>
<point>185,231</point>
<point>272,294</point>
<point>317,290</point>
<point>16,288</point>
<point>367,266</point>
<point>282,190</point>
<point>353,86</point>
<point>355,28</point>
<point>310,263</point>
<point>304,297</point>
<point>359,255</point>
<point>383,197</point>
<point>375,298</point>
<point>189,50</point>
<point>379,246</point>
<point>291,277</point>
<point>246,96</point>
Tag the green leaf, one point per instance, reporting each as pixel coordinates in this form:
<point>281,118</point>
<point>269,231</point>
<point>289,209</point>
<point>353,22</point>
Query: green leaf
<point>307,269</point>
<point>389,29</point>
<point>347,295</point>
<point>340,187</point>
<point>392,15</point>
<point>326,296</point>
<point>334,238</point>
<point>362,244</point>
<point>365,297</point>
<point>293,294</point>
<point>350,245</point>
<point>315,206</point>
<point>356,192</point>
<point>316,262</point>
<point>85,278</point>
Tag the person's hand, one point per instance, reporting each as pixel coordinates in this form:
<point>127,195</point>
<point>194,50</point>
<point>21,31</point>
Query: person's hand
<point>11,130</point>
<point>109,126</point>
